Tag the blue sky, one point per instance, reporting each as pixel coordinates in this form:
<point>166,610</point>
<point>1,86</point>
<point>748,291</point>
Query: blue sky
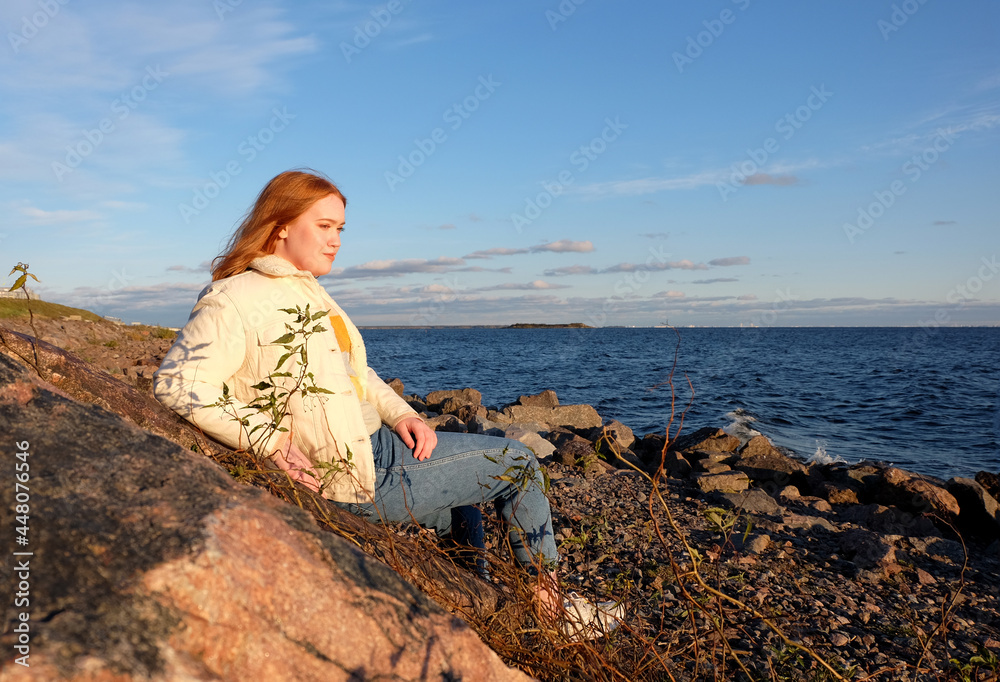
<point>715,163</point>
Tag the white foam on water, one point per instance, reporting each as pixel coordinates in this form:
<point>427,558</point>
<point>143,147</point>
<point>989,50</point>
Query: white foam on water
<point>820,456</point>
<point>739,425</point>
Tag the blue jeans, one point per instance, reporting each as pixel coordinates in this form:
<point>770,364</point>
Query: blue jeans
<point>464,469</point>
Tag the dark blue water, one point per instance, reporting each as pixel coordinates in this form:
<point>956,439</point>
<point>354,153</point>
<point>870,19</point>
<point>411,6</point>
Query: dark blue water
<point>926,400</point>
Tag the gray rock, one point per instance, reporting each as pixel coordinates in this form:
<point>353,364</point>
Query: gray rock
<point>614,432</point>
<point>789,492</point>
<point>546,398</point>
<point>918,494</point>
<point>151,557</point>
<point>806,522</point>
<point>396,385</point>
<point>485,426</point>
<point>498,417</point>
<point>753,501</point>
<point>763,462</point>
<point>464,395</point>
<point>729,482</point>
<point>674,464</point>
<point>867,550</point>
<point>836,493</point>
<point>573,451</point>
<point>538,445</point>
<point>713,440</point>
<point>891,520</point>
<point>448,423</point>
<point>991,482</point>
<point>574,416</point>
<point>980,512</point>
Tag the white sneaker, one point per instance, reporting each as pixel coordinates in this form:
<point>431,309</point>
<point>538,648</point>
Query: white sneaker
<point>589,621</point>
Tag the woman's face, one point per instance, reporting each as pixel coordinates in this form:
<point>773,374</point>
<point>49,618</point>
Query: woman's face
<point>311,241</point>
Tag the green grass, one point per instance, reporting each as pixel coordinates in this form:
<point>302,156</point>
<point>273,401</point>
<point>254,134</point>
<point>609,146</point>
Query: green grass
<point>17,308</point>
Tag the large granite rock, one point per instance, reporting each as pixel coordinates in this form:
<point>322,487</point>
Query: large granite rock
<point>149,562</point>
<point>463,396</point>
<point>980,513</point>
<point>989,481</point>
<point>761,461</point>
<point>546,398</point>
<point>728,482</point>
<point>707,439</point>
<point>573,416</point>
<point>918,494</point>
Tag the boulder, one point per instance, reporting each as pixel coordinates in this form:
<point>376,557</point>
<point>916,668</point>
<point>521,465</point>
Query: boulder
<point>712,462</point>
<point>150,562</point>
<point>980,512</point>
<point>753,501</point>
<point>396,385</point>
<point>650,446</point>
<point>573,451</point>
<point>763,462</point>
<point>485,426</point>
<point>573,416</point>
<point>674,463</point>
<point>447,422</point>
<point>868,551</point>
<point>989,481</point>
<point>712,440</point>
<point>614,433</point>
<point>836,493</point>
<point>416,403</point>
<point>917,494</point>
<point>729,482</point>
<point>498,417</point>
<point>808,522</point>
<point>887,520</point>
<point>546,398</point>
<point>538,445</point>
<point>463,395</point>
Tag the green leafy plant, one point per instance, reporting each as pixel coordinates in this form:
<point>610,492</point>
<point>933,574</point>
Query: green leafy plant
<point>983,660</point>
<point>19,283</point>
<point>278,387</point>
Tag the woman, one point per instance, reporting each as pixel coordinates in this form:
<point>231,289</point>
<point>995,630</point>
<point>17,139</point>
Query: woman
<point>353,440</point>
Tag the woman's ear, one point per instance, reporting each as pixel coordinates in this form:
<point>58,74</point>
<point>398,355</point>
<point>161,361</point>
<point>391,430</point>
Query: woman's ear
<point>283,232</point>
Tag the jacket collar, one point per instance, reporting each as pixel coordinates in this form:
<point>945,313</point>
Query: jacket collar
<point>276,266</point>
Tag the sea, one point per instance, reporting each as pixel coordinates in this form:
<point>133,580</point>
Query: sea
<point>925,399</point>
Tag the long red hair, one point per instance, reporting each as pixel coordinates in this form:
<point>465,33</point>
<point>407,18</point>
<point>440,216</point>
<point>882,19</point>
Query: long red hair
<point>283,199</point>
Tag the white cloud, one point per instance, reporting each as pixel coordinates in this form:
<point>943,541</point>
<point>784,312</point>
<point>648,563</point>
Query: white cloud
<point>394,268</point>
<point>536,285</point>
<point>38,216</point>
<point>734,260</point>
<point>564,246</point>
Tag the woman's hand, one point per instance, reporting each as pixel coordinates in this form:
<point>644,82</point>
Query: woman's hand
<point>417,436</point>
<point>298,467</point>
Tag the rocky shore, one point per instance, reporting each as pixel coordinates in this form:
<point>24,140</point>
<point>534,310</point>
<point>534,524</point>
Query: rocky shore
<point>886,574</point>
